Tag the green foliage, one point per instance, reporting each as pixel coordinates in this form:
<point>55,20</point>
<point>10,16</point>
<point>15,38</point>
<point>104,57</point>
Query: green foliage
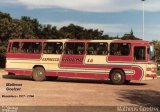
<point>77,32</point>
<point>129,36</point>
<point>157,49</point>
<point>158,71</point>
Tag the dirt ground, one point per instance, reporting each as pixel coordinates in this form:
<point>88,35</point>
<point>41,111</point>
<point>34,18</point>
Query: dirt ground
<point>77,92</point>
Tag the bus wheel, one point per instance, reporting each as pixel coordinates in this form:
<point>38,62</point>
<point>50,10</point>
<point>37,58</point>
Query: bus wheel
<point>38,74</point>
<point>117,77</point>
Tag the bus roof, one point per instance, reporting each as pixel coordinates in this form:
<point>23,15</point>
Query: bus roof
<point>74,40</point>
<point>132,41</point>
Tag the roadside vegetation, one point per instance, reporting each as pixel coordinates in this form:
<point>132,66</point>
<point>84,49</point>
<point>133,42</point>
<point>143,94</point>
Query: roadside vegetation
<point>158,71</point>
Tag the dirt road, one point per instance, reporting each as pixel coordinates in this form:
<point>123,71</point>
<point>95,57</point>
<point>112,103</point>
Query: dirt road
<point>76,92</point>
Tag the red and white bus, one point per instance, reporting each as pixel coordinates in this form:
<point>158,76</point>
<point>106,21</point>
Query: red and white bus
<point>118,60</point>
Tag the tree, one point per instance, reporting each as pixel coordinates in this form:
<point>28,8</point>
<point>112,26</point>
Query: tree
<point>49,32</point>
<point>130,36</point>
<point>156,44</point>
<point>5,16</point>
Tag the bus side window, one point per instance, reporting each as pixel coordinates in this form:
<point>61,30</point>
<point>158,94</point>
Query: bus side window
<point>37,47</point>
<point>31,47</point>
<point>102,49</point>
<point>97,49</point>
<point>120,49</point>
<point>24,47</point>
<point>77,48</point>
<point>139,53</point>
<point>52,48</point>
<point>58,47</point>
<point>48,48</point>
<point>15,47</point>
<point>92,49</point>
<point>68,48</point>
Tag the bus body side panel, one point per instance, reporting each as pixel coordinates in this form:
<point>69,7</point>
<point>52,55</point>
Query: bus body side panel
<point>22,56</point>
<point>73,66</point>
<point>21,64</point>
<point>80,66</point>
<point>71,61</point>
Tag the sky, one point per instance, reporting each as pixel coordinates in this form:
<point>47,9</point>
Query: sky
<point>114,17</point>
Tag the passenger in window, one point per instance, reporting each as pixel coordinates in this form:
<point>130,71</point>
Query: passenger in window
<point>118,50</point>
<point>125,50</point>
<point>36,48</point>
<point>30,49</point>
<point>101,50</point>
<point>80,49</point>
<point>58,49</point>
<point>68,49</point>
<point>23,50</point>
<point>15,48</point>
<point>105,52</point>
<point>115,50</point>
<point>90,50</point>
<point>45,48</point>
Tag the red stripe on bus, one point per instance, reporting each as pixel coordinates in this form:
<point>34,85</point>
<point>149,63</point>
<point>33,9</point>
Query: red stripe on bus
<point>80,75</point>
<point>23,56</point>
<point>138,73</point>
<point>128,77</point>
<point>136,76</point>
<point>120,58</point>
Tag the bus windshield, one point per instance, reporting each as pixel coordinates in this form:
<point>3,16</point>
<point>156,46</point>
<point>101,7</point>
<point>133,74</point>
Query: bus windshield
<point>151,52</point>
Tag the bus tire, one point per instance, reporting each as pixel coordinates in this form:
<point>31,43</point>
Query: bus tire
<point>117,77</point>
<point>38,74</point>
